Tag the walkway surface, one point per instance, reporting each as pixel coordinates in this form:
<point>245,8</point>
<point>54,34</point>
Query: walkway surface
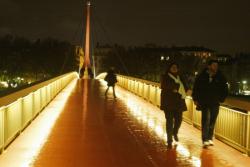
<point>91,130</point>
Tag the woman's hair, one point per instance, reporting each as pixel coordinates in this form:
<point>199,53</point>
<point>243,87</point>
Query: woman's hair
<point>170,65</point>
<point>212,61</point>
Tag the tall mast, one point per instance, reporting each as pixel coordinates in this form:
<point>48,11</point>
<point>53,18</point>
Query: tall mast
<point>87,42</point>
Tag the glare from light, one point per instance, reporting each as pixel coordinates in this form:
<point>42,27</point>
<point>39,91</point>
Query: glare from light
<point>4,84</point>
<point>196,161</point>
<point>159,131</point>
<point>151,123</point>
<point>183,151</point>
<point>165,137</point>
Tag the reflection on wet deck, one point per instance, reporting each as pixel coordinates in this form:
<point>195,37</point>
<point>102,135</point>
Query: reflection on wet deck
<point>97,131</point>
<point>153,121</point>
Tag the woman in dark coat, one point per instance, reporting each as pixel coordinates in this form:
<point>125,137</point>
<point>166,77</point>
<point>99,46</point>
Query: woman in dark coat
<point>173,93</point>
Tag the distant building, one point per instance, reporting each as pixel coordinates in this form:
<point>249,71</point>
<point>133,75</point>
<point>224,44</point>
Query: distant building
<point>192,59</point>
<point>242,63</point>
<point>237,71</point>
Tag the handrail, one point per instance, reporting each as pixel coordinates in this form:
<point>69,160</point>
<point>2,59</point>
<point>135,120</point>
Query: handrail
<point>18,109</point>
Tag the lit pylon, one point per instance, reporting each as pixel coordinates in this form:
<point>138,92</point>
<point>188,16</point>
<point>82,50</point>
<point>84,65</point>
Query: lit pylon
<point>87,44</point>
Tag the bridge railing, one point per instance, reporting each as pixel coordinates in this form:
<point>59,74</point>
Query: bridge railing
<point>18,109</point>
<point>232,127</point>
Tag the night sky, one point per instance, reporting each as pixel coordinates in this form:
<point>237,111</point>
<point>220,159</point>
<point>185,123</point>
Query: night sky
<point>222,25</point>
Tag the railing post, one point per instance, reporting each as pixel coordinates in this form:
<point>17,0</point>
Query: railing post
<point>248,134</point>
<point>2,111</point>
<point>20,107</point>
<point>140,92</point>
<point>22,110</point>
<point>158,96</point>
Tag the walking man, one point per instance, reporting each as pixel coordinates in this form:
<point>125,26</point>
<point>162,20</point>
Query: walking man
<point>210,89</point>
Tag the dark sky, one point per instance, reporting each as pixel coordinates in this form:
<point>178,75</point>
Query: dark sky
<point>223,25</point>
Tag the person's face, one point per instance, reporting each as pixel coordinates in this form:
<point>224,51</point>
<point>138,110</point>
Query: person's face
<point>213,67</point>
<point>174,69</point>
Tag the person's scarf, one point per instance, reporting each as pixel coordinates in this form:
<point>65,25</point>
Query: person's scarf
<point>177,80</point>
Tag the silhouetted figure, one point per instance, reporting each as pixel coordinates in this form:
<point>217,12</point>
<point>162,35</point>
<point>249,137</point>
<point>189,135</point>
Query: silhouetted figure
<point>90,73</point>
<point>81,72</point>
<point>111,81</point>
<point>173,93</point>
<point>210,89</point>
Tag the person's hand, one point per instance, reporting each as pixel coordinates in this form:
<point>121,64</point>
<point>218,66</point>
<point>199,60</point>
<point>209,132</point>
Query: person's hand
<point>198,107</point>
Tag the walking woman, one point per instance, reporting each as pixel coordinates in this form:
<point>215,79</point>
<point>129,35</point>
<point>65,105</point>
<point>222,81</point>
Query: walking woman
<point>173,93</point>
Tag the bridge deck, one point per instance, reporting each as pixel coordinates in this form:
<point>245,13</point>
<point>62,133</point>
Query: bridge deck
<point>96,131</point>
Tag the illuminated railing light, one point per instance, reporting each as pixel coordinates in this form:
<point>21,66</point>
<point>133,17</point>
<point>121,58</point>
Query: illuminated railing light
<point>159,130</point>
<point>151,123</point>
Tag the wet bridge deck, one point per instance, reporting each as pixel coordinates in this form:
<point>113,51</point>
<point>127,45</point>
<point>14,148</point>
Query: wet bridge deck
<point>83,128</point>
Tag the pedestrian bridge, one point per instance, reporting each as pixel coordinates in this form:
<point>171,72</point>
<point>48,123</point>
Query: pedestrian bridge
<point>69,122</point>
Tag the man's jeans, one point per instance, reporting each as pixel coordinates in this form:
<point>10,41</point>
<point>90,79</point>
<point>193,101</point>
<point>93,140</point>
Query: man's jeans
<point>209,116</point>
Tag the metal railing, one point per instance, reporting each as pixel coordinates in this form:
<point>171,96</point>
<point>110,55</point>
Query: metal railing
<point>232,127</point>
<point>18,109</point>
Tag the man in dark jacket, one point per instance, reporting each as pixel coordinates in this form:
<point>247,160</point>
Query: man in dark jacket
<point>210,89</point>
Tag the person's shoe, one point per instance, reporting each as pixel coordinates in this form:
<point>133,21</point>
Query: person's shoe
<point>169,145</point>
<point>176,138</point>
<point>211,143</point>
<point>205,144</point>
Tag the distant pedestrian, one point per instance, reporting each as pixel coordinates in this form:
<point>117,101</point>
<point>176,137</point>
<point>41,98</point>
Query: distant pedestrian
<point>173,93</point>
<point>111,81</point>
<point>90,73</point>
<point>210,89</point>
